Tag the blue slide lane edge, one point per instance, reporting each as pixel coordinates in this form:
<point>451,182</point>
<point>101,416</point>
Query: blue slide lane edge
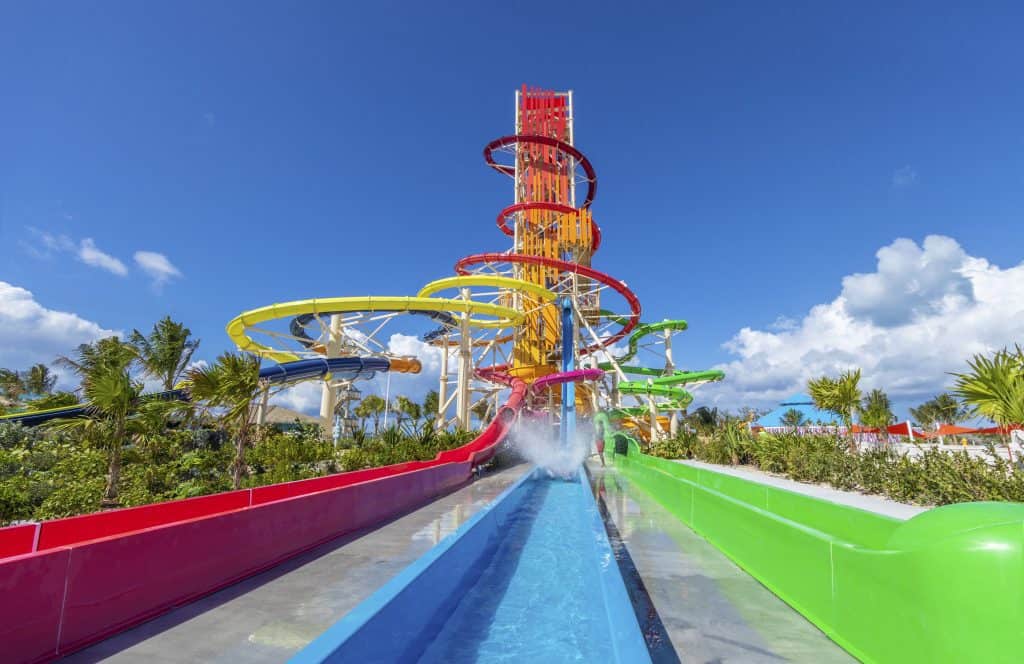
<point>385,619</point>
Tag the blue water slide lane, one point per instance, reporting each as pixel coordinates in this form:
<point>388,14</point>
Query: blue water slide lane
<point>31,419</point>
<point>396,622</point>
<point>343,368</point>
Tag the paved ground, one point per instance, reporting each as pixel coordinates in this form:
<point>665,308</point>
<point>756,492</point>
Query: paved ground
<point>271,616</point>
<point>876,504</point>
<point>693,603</point>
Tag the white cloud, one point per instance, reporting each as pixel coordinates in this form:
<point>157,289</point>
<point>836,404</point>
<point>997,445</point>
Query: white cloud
<point>157,266</point>
<point>85,251</point>
<point>55,242</point>
<point>303,397</point>
<point>90,254</point>
<point>30,333</point>
<point>904,177</point>
<point>910,281</point>
<point>920,315</point>
<point>414,386</point>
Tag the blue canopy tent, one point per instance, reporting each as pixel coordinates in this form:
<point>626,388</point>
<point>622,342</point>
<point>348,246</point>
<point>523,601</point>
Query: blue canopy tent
<point>802,403</point>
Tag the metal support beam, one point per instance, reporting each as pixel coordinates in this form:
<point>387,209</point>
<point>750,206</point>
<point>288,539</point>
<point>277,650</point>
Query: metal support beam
<point>261,411</point>
<point>568,427</point>
<point>465,369</point>
<point>442,390</point>
<point>327,395</point>
<point>670,367</point>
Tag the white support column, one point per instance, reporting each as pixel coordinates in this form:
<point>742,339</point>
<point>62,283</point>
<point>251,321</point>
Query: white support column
<point>652,407</point>
<point>572,141</point>
<point>465,368</point>
<point>328,396</point>
<point>261,411</point>
<point>670,367</point>
<point>442,390</point>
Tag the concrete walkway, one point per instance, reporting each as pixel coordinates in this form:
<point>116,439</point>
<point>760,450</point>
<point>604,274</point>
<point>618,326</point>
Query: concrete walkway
<point>271,616</point>
<point>693,603</point>
<point>876,504</point>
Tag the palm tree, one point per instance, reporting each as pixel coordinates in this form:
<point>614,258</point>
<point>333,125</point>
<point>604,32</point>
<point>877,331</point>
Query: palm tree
<point>39,380</point>
<point>942,409</point>
<point>11,385</point>
<point>165,354</point>
<point>371,406</point>
<point>704,419</point>
<point>404,407</point>
<point>925,415</point>
<point>107,352</point>
<point>839,396</point>
<point>431,403</point>
<point>53,400</point>
<point>994,387</point>
<point>481,409</point>
<point>110,396</point>
<point>232,383</point>
<point>876,410</point>
<point>792,418</point>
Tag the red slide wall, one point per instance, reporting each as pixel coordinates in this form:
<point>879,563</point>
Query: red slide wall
<point>71,582</point>
<point>63,599</point>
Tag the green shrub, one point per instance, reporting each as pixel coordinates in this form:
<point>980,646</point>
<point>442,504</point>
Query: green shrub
<point>936,477</point>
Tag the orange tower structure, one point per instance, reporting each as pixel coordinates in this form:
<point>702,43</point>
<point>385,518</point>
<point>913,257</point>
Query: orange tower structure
<point>545,219</point>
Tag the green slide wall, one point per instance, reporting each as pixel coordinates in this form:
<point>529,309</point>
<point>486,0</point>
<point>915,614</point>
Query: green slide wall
<point>944,586</point>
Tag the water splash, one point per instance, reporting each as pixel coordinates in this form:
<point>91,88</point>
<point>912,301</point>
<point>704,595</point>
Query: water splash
<point>538,443</point>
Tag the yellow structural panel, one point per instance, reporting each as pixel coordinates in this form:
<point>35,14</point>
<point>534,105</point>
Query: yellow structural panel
<point>406,365</point>
<point>236,328</point>
<point>487,280</point>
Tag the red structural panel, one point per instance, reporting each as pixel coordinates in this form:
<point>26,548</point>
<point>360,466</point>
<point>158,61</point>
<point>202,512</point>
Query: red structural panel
<point>270,493</point>
<point>71,530</point>
<point>632,320</point>
<point>108,571</point>
<point>562,146</point>
<point>17,540</point>
<point>161,567</point>
<point>32,590</point>
<point>61,600</point>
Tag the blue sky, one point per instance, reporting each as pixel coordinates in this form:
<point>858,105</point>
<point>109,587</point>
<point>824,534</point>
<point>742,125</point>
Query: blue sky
<point>749,158</point>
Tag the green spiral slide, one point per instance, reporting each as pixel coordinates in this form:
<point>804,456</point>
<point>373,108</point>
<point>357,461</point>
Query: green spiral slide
<point>664,385</point>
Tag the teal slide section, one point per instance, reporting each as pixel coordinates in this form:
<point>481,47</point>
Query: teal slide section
<point>944,586</point>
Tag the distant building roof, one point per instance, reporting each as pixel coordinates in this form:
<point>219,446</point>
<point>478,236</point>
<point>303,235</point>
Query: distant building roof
<point>800,402</point>
<point>282,415</point>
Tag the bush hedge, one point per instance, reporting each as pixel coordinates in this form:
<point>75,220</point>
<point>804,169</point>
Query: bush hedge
<point>936,477</point>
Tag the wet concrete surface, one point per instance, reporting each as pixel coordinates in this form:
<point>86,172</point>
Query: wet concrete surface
<point>693,603</point>
<point>271,616</point>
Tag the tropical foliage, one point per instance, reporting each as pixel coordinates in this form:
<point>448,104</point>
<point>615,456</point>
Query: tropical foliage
<point>110,395</point>
<point>942,409</point>
<point>166,353</point>
<point>839,396</point>
<point>935,477</point>
<point>792,418</point>
<point>36,382</point>
<point>994,386</point>
<point>230,387</point>
<point>876,410</point>
<point>371,407</point>
<point>131,449</point>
